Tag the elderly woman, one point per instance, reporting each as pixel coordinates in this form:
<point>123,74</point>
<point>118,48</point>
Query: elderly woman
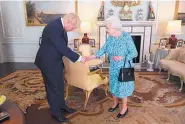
<point>119,46</point>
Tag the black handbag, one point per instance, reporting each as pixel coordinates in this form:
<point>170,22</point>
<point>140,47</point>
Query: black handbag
<point>126,74</point>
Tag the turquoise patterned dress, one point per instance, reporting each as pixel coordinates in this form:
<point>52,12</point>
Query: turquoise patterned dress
<point>121,46</point>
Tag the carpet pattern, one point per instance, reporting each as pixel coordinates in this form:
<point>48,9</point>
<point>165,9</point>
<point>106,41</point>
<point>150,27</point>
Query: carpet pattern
<point>152,93</point>
<point>25,87</point>
<point>149,113</point>
<point>153,86</point>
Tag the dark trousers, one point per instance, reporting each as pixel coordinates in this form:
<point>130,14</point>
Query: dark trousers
<point>54,83</point>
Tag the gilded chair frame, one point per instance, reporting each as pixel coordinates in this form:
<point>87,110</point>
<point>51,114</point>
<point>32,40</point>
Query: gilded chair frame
<point>88,93</point>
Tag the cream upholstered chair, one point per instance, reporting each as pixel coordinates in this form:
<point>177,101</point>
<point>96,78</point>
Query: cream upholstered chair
<point>175,64</point>
<point>85,49</point>
<point>78,74</point>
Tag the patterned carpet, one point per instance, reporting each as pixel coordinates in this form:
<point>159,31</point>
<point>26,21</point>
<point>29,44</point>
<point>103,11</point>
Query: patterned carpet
<point>152,95</point>
<point>153,86</point>
<point>149,113</point>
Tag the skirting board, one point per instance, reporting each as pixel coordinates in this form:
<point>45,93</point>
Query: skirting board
<point>19,59</point>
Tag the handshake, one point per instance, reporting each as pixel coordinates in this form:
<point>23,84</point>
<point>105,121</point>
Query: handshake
<point>87,58</point>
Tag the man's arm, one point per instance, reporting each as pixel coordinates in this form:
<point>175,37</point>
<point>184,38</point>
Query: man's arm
<point>82,59</point>
<point>79,59</point>
<point>56,36</point>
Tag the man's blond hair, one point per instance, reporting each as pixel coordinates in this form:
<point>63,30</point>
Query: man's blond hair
<point>73,18</point>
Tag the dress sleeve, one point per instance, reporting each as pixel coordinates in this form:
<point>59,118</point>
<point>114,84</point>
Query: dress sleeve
<point>132,51</point>
<point>102,50</point>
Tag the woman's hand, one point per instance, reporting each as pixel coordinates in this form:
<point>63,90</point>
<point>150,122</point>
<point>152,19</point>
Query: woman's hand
<point>90,57</point>
<point>117,58</point>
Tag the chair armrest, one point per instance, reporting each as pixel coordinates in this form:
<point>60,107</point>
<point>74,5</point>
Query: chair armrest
<point>173,54</point>
<point>98,71</point>
<point>102,76</point>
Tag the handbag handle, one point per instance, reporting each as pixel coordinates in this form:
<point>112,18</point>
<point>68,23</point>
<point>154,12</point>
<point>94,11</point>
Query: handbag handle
<point>125,62</point>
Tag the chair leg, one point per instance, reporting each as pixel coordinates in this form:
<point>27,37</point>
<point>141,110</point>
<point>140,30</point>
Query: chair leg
<point>181,85</point>
<point>160,70</point>
<point>168,76</point>
<point>106,89</point>
<point>67,91</point>
<point>87,94</point>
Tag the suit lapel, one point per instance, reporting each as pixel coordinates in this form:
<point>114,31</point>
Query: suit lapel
<point>64,32</point>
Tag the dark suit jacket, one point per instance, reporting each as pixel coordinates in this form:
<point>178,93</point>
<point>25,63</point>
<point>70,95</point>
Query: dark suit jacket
<point>54,45</point>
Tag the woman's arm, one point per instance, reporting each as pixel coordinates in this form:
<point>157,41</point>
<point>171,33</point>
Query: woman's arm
<point>101,51</point>
<point>132,51</point>
<point>90,57</point>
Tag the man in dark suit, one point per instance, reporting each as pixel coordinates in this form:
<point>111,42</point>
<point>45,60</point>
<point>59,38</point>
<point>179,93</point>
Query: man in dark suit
<point>49,60</point>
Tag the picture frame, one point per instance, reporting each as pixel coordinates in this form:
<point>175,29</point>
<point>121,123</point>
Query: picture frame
<point>40,13</point>
<point>92,42</point>
<point>180,11</point>
<point>180,43</point>
<point>163,43</point>
<point>77,43</point>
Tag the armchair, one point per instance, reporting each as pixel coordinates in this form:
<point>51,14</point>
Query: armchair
<point>79,75</point>
<point>175,64</point>
<point>85,49</point>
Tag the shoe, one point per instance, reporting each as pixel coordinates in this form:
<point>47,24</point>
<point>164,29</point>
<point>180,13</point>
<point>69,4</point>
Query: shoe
<point>122,115</point>
<point>113,109</point>
<point>68,110</point>
<point>60,119</point>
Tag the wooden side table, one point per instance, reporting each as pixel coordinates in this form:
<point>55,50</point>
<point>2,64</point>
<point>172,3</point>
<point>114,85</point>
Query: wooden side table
<point>15,113</point>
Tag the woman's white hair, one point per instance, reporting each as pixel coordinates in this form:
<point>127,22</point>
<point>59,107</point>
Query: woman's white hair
<point>115,23</point>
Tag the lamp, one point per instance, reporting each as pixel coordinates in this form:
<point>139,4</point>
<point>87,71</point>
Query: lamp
<point>174,27</point>
<point>85,28</point>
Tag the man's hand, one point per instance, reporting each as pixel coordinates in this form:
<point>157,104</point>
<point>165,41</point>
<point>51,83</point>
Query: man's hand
<point>83,60</point>
<point>117,58</point>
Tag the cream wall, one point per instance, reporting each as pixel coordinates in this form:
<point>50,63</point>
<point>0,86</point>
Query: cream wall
<point>88,10</point>
<point>21,42</point>
<point>166,9</point>
<point>165,12</point>
<point>1,53</point>
<point>1,39</point>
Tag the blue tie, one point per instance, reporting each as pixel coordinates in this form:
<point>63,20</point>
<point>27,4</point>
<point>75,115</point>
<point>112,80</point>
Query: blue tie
<point>66,38</point>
